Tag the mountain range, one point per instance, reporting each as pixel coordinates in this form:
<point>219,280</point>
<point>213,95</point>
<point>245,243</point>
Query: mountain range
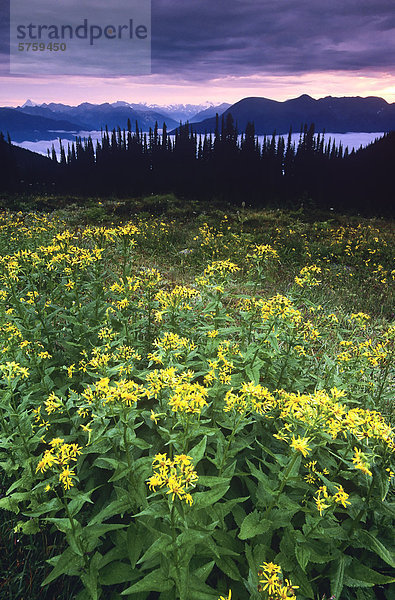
<point>31,122</point>
<point>35,122</point>
<point>335,115</point>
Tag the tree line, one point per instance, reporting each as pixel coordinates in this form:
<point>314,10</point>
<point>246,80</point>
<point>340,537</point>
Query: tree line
<point>225,165</point>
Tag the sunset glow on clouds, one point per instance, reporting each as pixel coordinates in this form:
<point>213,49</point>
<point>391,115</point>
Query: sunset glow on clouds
<point>152,89</point>
<point>227,50</point>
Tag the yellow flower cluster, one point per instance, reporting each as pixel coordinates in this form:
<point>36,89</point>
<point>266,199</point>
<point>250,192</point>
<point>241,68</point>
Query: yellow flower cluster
<point>103,356</point>
<point>177,475</point>
<point>120,392</point>
<point>31,297</point>
<point>126,289</point>
<point>368,352</point>
<point>60,256</point>
<point>214,241</point>
<point>53,403</point>
<point>188,398</point>
<point>322,410</point>
<point>300,444</point>
<point>110,234</point>
<point>12,369</point>
<point>179,298</point>
<point>263,252</point>
<point>217,272</point>
<point>149,278</point>
<point>73,256</point>
<point>360,319</point>
<point>280,307</point>
<point>277,587</point>
<point>21,226</point>
<point>311,477</point>
<point>60,455</point>
<point>9,269</point>
<point>39,420</point>
<point>160,379</point>
<point>252,398</point>
<point>170,343</point>
<point>324,500</point>
<point>308,276</point>
<point>221,368</point>
<point>360,462</point>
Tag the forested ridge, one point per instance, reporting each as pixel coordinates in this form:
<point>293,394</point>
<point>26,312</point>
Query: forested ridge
<point>223,165</point>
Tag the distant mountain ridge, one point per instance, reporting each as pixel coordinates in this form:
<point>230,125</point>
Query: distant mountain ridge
<point>33,122</point>
<point>63,120</point>
<point>20,124</point>
<point>84,117</point>
<point>210,112</point>
<point>335,115</point>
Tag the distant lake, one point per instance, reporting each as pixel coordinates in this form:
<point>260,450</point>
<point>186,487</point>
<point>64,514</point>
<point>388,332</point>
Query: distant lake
<point>349,140</point>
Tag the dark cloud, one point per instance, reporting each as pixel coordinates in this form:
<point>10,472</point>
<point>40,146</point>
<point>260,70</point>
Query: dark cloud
<point>203,39</point>
<point>199,40</point>
<point>101,48</point>
<point>4,37</point>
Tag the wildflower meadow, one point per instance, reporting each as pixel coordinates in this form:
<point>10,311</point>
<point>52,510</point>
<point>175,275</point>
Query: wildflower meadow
<point>196,406</point>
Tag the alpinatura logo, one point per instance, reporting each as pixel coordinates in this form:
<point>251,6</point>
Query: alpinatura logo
<point>80,37</point>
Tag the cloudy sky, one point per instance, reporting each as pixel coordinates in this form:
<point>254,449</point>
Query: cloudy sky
<point>223,50</point>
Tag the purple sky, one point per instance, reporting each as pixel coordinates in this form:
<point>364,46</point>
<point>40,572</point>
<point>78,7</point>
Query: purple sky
<point>223,50</point>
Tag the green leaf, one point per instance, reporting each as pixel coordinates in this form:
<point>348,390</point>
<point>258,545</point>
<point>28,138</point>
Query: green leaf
<point>356,583</point>
<point>302,554</point>
<point>72,541</point>
<point>228,566</point>
<point>24,482</point>
<point>252,564</point>
<point>116,507</point>
<point>203,572</point>
<point>135,543</point>
<point>155,581</point>
<point>212,480</point>
<point>358,571</point>
<point>198,451</point>
<point>11,502</point>
<point>62,523</point>
<point>198,590</point>
<point>299,578</point>
<point>224,508</point>
<point>99,529</point>
<point>337,575</point>
<point>259,475</point>
<point>383,482</point>
<point>117,572</point>
<point>320,550</point>
<point>372,543</point>
<point>54,504</point>
<point>116,554</point>
<point>27,527</point>
<point>78,502</point>
<point>159,546</point>
<point>90,579</point>
<point>67,563</point>
<point>253,374</point>
<point>104,462</point>
<point>205,499</point>
<point>253,525</point>
<point>91,533</point>
<point>366,594</point>
<point>155,509</point>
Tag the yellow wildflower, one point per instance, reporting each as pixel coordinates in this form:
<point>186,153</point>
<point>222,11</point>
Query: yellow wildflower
<point>301,445</point>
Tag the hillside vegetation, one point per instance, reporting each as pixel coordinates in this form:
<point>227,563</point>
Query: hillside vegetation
<point>195,404</point>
